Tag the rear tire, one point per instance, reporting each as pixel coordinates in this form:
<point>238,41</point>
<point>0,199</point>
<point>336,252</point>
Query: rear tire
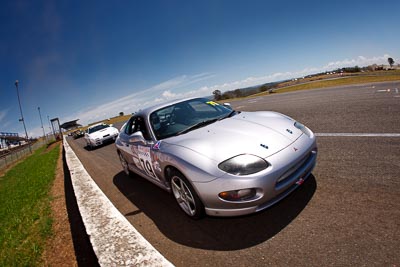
<point>124,164</point>
<point>186,196</point>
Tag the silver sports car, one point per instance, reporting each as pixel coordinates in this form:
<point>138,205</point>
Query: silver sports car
<point>216,160</point>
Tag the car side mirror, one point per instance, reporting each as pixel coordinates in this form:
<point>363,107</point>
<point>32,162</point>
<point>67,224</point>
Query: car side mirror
<point>227,105</point>
<point>136,137</point>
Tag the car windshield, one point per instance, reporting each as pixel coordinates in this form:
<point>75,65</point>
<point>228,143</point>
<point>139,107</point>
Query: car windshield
<point>185,116</point>
<point>97,128</point>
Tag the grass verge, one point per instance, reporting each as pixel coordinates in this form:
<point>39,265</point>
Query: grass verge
<point>392,76</point>
<point>25,211</point>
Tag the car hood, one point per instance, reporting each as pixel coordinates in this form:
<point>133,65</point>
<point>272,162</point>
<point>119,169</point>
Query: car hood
<point>258,133</point>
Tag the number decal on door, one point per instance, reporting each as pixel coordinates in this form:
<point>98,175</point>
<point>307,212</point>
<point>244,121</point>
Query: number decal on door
<point>145,161</point>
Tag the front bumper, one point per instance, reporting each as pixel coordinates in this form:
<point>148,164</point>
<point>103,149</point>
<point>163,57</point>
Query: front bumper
<point>289,169</point>
<point>104,139</point>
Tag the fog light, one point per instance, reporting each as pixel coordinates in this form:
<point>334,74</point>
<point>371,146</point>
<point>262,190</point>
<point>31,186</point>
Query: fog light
<point>238,195</point>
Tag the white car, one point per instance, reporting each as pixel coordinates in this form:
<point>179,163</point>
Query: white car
<point>98,134</point>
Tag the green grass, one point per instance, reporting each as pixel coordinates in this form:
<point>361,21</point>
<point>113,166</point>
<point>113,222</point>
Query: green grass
<point>349,80</point>
<point>25,211</point>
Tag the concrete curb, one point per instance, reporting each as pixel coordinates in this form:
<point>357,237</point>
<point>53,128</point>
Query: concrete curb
<point>115,241</point>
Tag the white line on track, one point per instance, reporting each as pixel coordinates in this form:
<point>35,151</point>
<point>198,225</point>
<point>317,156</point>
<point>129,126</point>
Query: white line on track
<point>358,134</point>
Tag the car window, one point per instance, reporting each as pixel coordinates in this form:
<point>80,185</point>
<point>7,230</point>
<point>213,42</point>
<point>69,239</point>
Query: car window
<point>201,106</point>
<point>129,126</point>
<point>137,124</point>
<point>174,119</point>
<point>97,128</point>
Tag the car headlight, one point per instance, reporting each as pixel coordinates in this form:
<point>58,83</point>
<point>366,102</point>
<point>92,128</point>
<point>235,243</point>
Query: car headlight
<point>243,165</point>
<point>302,128</point>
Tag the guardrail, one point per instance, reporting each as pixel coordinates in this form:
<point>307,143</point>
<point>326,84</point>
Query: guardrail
<point>8,157</point>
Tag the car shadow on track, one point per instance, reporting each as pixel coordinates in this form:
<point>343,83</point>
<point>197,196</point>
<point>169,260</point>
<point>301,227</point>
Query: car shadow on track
<point>212,233</point>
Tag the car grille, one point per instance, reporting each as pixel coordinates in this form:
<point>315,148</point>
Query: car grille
<point>292,173</point>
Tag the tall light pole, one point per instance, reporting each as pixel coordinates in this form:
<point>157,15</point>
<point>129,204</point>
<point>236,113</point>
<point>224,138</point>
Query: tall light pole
<point>48,118</point>
<point>22,116</point>
<point>41,122</point>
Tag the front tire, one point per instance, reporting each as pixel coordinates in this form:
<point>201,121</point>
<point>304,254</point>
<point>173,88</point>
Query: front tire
<point>186,196</point>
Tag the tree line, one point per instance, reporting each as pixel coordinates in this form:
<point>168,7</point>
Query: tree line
<point>270,87</point>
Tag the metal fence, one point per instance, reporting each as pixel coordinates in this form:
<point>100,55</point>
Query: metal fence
<point>9,157</point>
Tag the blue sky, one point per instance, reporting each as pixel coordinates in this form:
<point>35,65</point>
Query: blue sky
<point>90,60</point>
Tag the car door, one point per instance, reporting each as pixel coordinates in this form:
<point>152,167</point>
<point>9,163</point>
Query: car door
<point>140,145</point>
<point>122,143</point>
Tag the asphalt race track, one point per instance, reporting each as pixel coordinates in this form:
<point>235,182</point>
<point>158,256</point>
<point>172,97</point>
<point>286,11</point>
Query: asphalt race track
<point>346,213</point>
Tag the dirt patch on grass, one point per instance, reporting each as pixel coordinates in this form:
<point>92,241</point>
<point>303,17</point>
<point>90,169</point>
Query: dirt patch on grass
<point>59,250</point>
<point>52,145</point>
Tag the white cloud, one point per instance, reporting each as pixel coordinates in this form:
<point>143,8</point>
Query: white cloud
<point>169,84</point>
<point>359,61</point>
<point>35,132</point>
<point>168,95</point>
<point>141,99</point>
<point>175,88</point>
<point>252,81</point>
<point>3,114</point>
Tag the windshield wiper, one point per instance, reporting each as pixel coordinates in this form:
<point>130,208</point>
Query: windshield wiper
<point>197,125</point>
<point>233,112</point>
